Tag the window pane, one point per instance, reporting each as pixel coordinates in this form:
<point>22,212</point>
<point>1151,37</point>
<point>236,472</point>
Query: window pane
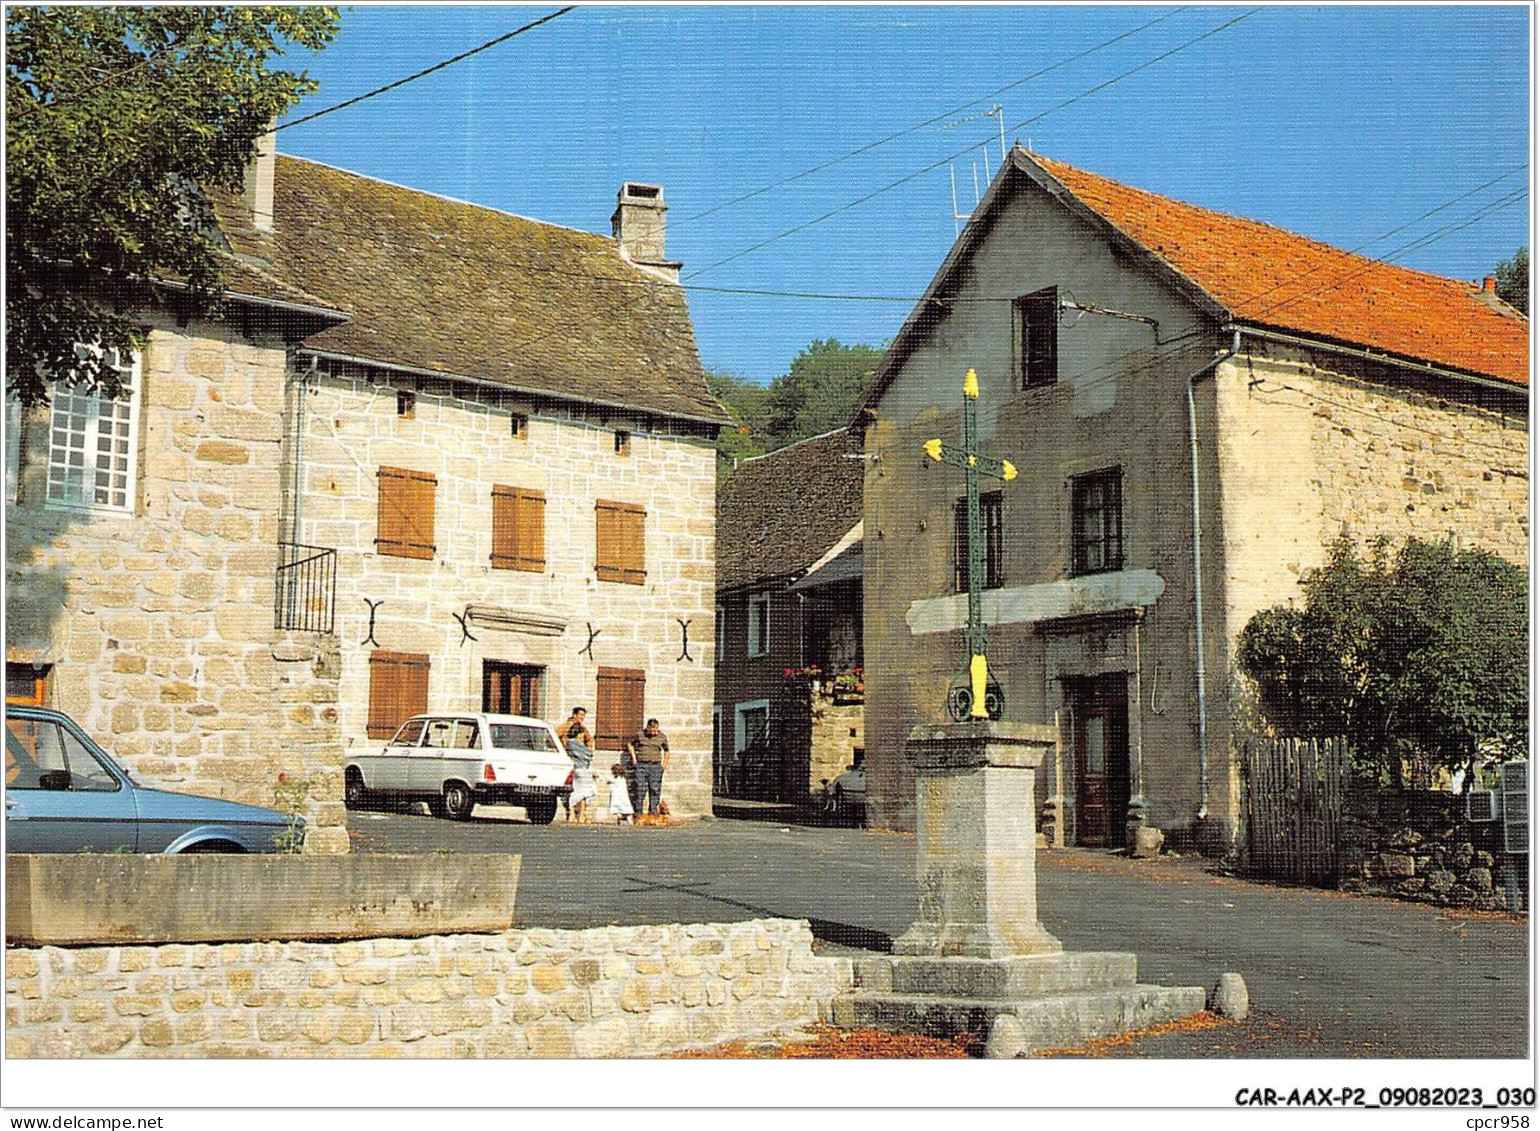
<point>1095,745</point>
<point>410,734</point>
<point>32,749</point>
<point>86,773</point>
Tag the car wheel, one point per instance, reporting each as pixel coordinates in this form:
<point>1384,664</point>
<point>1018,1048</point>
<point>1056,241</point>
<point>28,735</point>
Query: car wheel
<point>356,795</point>
<point>541,812</point>
<point>458,802</point>
<point>204,847</point>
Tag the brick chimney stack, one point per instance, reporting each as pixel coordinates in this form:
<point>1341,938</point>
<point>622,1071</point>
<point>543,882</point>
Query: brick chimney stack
<point>1489,285</point>
<point>257,194</point>
<point>639,227</point>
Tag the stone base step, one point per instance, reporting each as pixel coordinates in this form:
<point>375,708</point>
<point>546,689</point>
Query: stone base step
<point>1050,1022</point>
<point>1009,979</point>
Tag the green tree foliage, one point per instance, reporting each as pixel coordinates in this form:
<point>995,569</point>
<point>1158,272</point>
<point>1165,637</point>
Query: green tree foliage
<point>820,391</point>
<point>115,117</point>
<point>1513,280</point>
<point>1418,655</point>
<point>746,402</point>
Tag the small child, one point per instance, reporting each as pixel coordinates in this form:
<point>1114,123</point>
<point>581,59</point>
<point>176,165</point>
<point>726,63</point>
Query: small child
<point>620,795</point>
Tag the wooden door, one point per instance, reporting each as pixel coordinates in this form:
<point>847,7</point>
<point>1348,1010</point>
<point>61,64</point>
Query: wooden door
<point>510,689</point>
<point>1100,708</point>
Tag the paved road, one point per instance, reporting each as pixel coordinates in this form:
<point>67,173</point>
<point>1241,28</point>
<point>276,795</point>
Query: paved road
<point>1329,975</point>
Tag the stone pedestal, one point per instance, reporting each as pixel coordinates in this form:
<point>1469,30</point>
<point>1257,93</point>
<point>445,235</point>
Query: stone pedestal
<point>977,952</point>
<point>976,825</point>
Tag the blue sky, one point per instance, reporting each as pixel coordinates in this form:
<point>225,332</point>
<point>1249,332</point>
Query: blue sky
<point>1337,122</point>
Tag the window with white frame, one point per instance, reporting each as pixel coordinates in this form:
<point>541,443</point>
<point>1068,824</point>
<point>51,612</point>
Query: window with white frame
<point>759,624</point>
<point>92,446</point>
<point>751,724</point>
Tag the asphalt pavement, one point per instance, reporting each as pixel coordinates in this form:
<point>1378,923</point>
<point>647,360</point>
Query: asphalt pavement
<point>1330,975</point>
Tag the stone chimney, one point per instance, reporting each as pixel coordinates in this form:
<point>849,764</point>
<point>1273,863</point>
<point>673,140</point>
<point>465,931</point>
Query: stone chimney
<point>638,226</point>
<point>257,195</point>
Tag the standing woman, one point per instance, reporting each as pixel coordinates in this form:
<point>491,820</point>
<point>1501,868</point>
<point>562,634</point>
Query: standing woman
<point>580,748</point>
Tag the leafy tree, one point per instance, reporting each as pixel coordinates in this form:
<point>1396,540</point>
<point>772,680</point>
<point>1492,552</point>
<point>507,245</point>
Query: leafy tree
<point>1420,655</point>
<point>746,402</point>
<point>819,392</point>
<point>1513,280</point>
<point>116,117</point>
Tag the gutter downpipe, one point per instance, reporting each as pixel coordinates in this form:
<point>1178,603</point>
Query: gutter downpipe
<point>1197,571</point>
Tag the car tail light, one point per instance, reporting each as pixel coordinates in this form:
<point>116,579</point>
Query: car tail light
<point>569,777</point>
<point>488,774</point>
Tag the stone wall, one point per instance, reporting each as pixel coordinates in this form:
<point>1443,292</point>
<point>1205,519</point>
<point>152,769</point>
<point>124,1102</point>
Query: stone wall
<point>462,435</point>
<point>838,731</point>
<point>156,623</point>
<point>603,992</point>
<point>1417,844</point>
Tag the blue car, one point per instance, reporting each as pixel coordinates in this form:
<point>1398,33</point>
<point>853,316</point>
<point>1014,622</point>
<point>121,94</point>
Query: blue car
<point>63,794</point>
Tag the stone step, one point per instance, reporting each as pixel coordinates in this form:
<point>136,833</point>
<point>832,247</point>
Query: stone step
<point>1026,976</point>
<point>1050,1022</point>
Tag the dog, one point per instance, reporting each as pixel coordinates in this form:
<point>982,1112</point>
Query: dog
<point>658,818</point>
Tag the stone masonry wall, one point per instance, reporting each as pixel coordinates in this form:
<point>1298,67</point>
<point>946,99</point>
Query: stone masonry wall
<point>158,623</point>
<point>838,730</point>
<point>1418,844</point>
<point>603,992</point>
<point>462,436</point>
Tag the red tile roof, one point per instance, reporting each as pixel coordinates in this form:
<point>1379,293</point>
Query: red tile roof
<point>1268,277</point>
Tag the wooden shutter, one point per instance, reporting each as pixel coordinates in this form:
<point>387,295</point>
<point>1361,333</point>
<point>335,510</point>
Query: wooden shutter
<point>398,689</point>
<point>621,535</point>
<point>618,707</point>
<point>406,513</point>
<point>518,529</point>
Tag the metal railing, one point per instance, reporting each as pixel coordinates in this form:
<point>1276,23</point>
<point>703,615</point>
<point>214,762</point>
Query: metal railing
<point>305,598</point>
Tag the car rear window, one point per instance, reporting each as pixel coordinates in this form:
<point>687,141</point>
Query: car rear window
<point>522,736</point>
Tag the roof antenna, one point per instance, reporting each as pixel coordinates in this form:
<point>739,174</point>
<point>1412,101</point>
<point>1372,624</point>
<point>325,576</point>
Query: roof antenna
<point>998,111</point>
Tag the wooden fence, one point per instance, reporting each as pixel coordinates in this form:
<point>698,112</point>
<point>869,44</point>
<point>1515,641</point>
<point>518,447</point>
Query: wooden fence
<point>1293,790</point>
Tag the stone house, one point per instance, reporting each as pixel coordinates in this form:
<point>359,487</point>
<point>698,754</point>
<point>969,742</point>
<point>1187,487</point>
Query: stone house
<point>1198,405</point>
<point>788,606</point>
<point>431,455</point>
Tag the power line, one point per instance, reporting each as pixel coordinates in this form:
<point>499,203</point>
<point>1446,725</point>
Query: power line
<point>1400,228</point>
<point>829,164</point>
<point>963,152</point>
<point>430,70</point>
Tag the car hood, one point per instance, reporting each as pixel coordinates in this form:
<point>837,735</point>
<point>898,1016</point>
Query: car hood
<point>164,805</point>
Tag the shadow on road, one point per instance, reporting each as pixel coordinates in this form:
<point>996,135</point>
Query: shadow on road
<point>807,814</point>
<point>827,930</point>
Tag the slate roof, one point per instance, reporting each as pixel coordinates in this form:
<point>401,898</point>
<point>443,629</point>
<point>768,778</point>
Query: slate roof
<point>777,514</point>
<point>1269,277</point>
<point>439,286</point>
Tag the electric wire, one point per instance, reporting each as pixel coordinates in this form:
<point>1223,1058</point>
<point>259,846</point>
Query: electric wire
<point>905,132</point>
<point>848,205</point>
<point>531,26</point>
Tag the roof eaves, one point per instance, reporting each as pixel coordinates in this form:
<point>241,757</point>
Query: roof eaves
<point>445,375</point>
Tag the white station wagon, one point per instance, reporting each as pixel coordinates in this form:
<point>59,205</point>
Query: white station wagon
<point>455,762</point>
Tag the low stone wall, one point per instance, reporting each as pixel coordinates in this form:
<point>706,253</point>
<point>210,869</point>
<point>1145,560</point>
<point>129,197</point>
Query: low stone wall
<point>603,992</point>
<point>1417,844</point>
<point>66,899</point>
